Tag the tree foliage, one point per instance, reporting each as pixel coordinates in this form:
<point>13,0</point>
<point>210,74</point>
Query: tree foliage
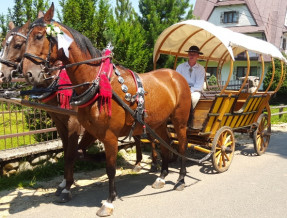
<point>157,16</point>
<point>282,92</point>
<point>89,17</point>
<point>133,35</point>
<point>25,10</point>
<point>127,36</point>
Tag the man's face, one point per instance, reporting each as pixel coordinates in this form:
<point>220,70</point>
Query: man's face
<point>192,57</point>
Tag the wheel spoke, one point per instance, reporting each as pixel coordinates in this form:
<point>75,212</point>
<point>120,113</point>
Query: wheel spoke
<point>228,143</point>
<point>220,161</point>
<point>227,157</point>
<point>227,139</point>
<point>223,159</point>
<point>217,153</point>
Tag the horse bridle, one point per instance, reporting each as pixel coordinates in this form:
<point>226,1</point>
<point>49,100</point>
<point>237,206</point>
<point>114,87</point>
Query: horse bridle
<point>47,68</point>
<point>9,63</point>
<point>33,57</point>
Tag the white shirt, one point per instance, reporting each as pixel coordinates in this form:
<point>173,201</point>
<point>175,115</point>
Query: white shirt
<point>195,79</point>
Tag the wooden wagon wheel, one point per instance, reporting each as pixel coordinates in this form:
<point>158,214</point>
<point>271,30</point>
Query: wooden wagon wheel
<point>223,146</point>
<point>261,135</point>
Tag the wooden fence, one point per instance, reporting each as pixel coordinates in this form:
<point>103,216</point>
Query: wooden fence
<point>281,112</point>
<point>21,125</point>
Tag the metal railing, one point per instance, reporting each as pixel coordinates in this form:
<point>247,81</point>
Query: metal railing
<point>20,125</point>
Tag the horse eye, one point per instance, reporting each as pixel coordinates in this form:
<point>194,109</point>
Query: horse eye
<point>39,36</point>
<point>17,46</point>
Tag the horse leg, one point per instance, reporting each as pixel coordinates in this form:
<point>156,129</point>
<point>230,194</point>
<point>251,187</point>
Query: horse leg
<point>70,155</point>
<point>160,182</point>
<point>180,128</point>
<point>137,167</point>
<point>86,141</point>
<point>154,164</point>
<point>70,158</point>
<point>111,150</point>
<point>62,129</point>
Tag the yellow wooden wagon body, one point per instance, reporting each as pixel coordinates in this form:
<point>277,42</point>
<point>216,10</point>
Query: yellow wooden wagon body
<point>218,114</point>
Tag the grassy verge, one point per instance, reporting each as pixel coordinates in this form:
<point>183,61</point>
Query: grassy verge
<point>31,178</point>
<point>276,119</point>
<point>11,123</point>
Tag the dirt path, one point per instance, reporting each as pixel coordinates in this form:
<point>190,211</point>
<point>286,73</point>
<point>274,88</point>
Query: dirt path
<point>15,201</point>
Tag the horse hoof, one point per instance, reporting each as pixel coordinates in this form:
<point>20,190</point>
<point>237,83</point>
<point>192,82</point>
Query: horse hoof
<point>179,186</point>
<point>59,191</point>
<point>65,197</point>
<point>137,168</point>
<point>159,183</point>
<point>107,209</point>
<point>154,168</point>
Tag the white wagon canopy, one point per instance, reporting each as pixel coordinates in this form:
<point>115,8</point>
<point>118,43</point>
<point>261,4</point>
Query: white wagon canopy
<point>219,45</point>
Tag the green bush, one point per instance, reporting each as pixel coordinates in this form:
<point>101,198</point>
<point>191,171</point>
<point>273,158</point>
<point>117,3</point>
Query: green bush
<point>212,81</point>
<point>280,96</point>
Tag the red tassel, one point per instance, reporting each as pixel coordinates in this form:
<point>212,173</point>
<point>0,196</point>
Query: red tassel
<point>64,95</point>
<point>105,93</point>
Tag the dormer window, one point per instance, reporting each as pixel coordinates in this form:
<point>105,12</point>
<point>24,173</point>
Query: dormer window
<point>230,17</point>
<point>284,44</point>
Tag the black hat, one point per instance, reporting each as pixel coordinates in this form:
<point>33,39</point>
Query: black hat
<point>195,49</point>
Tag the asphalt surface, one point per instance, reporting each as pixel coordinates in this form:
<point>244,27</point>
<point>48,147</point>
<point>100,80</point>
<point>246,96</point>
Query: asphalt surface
<point>254,186</point>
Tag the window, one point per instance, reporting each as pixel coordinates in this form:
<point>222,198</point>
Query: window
<point>230,17</point>
<point>241,71</point>
<point>284,44</point>
<point>211,71</point>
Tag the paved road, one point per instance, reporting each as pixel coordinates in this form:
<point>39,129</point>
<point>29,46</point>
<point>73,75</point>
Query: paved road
<point>252,187</point>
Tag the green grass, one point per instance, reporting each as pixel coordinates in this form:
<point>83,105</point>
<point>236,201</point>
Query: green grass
<point>11,123</point>
<point>275,119</point>
<point>31,178</point>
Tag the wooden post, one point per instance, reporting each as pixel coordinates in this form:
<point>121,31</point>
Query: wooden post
<point>280,110</point>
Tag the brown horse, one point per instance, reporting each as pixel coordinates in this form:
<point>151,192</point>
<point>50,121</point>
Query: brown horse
<point>168,96</point>
<point>68,127</point>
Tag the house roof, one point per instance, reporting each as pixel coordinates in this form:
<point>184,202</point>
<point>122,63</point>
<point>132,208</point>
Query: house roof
<point>269,16</point>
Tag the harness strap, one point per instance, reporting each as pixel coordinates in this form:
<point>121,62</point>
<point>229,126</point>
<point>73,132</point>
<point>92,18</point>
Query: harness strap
<point>153,134</point>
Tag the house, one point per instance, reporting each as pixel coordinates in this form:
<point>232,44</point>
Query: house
<point>263,19</point>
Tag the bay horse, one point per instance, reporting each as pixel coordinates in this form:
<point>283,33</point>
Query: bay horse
<point>167,96</point>
<point>67,126</point>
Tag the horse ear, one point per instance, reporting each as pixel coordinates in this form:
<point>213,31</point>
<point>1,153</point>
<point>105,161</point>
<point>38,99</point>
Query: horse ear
<point>11,25</point>
<point>25,27</point>
<point>40,14</point>
<point>49,14</point>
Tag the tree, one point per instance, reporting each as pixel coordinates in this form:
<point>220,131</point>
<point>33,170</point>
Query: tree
<point>158,15</point>
<point>128,38</point>
<point>17,13</point>
<point>25,10</point>
<point>282,92</point>
<point>3,26</point>
<point>88,17</point>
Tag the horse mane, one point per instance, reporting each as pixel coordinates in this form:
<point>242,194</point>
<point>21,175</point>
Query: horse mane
<point>81,41</point>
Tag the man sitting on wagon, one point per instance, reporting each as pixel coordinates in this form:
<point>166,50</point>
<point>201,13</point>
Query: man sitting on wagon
<point>194,73</point>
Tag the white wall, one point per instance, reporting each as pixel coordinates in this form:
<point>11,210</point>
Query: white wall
<point>245,18</point>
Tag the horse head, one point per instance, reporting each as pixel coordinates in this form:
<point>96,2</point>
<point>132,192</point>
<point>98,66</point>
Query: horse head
<point>13,50</point>
<point>49,41</point>
<point>38,48</point>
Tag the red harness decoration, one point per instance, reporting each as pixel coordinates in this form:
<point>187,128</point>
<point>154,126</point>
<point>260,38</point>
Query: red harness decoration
<point>64,96</point>
<point>105,87</point>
